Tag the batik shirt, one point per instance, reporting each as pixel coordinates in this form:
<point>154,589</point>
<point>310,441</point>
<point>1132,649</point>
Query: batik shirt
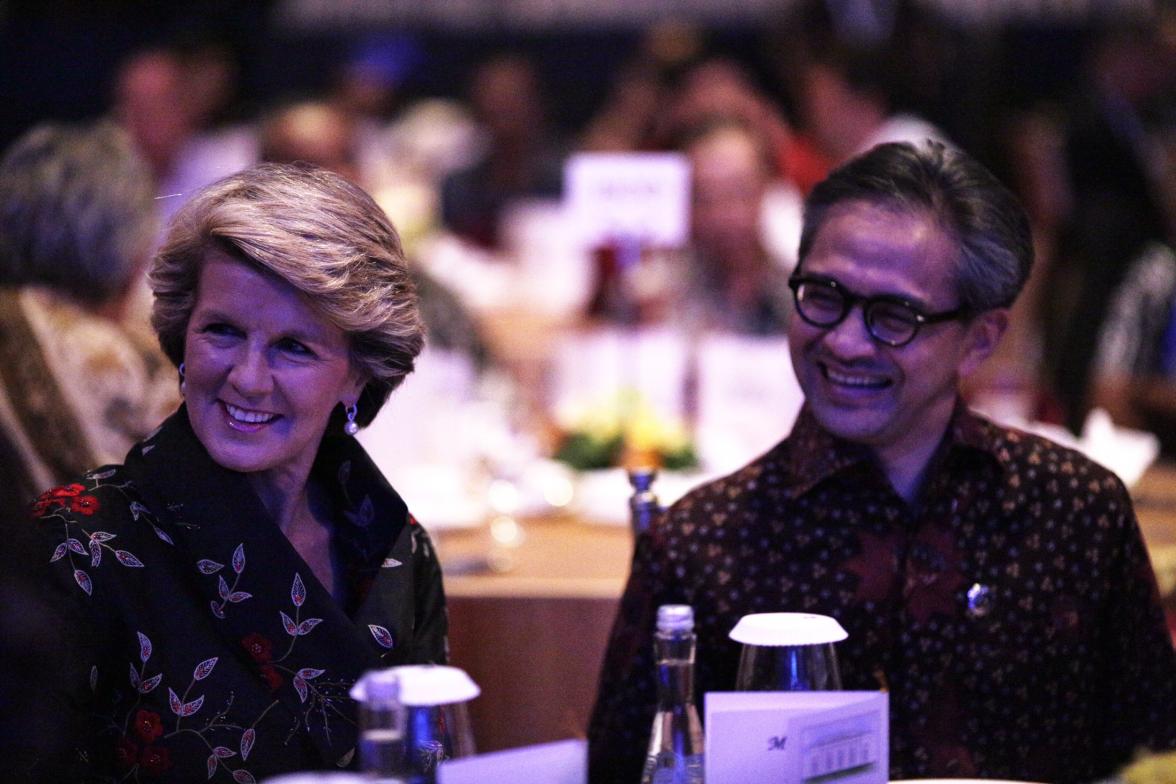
<point>184,637</point>
<point>76,390</point>
<point>1012,613</point>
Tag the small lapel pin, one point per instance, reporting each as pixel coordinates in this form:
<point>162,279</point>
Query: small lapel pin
<point>980,600</point>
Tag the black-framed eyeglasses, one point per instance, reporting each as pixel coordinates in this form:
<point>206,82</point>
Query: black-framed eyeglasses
<point>891,320</point>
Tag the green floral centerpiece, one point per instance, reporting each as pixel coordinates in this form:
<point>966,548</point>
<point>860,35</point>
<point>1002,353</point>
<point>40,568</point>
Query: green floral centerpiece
<point>624,430</point>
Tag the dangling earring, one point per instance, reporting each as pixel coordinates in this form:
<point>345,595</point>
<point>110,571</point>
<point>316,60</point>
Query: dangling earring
<point>349,427</point>
<point>182,381</point>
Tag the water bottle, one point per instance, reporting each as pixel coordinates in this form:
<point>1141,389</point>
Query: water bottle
<point>675,745</point>
<point>381,728</point>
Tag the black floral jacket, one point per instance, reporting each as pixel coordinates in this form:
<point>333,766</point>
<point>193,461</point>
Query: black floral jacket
<point>186,640</point>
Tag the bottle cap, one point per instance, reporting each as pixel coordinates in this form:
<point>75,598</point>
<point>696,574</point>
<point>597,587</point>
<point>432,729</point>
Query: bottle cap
<point>787,629</point>
<point>675,618</point>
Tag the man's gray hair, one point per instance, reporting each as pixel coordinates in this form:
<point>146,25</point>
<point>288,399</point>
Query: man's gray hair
<point>986,220</point>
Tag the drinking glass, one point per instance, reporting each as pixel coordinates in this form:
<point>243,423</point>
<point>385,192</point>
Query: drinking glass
<point>788,652</point>
<point>414,717</point>
<point>437,723</point>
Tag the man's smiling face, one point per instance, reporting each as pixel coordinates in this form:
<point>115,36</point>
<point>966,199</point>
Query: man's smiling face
<point>894,400</point>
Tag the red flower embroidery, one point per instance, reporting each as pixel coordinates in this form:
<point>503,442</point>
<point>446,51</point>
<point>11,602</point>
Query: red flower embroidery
<point>67,495</point>
<point>260,649</point>
<point>271,676</point>
<point>155,760</point>
<point>148,725</point>
<point>126,753</point>
<point>84,504</point>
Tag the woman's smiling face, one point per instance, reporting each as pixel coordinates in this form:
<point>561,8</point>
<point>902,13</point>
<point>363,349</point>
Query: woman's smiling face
<point>263,370</point>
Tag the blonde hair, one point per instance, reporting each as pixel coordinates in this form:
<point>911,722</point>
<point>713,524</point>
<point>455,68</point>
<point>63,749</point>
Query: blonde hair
<point>319,233</point>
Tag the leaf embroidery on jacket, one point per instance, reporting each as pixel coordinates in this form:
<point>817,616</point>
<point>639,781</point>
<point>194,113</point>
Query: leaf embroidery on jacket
<point>154,711</point>
<point>228,593</point>
<point>382,636</point>
<point>74,505</point>
<point>319,696</point>
<point>143,745</point>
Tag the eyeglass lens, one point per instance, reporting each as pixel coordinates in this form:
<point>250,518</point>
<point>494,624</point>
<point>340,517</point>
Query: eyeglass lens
<point>825,305</point>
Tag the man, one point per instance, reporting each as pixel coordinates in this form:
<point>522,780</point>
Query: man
<point>993,582</point>
<point>731,281</point>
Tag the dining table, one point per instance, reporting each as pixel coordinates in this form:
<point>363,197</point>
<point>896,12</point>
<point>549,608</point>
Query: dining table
<point>529,620</point>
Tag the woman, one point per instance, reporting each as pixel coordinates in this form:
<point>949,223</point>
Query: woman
<point>77,387</point>
<point>221,591</point>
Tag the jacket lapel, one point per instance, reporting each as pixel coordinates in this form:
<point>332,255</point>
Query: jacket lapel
<point>268,606</point>
<point>374,543</point>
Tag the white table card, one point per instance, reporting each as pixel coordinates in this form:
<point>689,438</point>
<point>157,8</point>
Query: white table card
<point>748,398</point>
<point>797,737</point>
<point>638,196</point>
<point>593,368</point>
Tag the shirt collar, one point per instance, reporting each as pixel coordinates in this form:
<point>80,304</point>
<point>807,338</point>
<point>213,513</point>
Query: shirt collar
<point>814,454</point>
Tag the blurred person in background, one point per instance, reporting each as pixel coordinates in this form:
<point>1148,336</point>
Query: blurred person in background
<point>168,98</point>
<point>745,213</point>
<point>625,121</point>
<point>311,131</point>
<point>403,145</point>
<point>322,133</point>
<point>1133,374</point>
<point>993,582</point>
<point>1118,176</point>
<point>631,118</point>
<point>718,91</point>
<point>368,87</point>
<point>151,102</point>
<point>521,158</point>
<point>247,562</point>
<point>732,282</point>
<point>839,63</point>
<point>77,225</point>
<point>718,87</point>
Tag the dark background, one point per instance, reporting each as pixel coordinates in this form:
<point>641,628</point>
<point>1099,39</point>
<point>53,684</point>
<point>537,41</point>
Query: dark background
<point>58,58</point>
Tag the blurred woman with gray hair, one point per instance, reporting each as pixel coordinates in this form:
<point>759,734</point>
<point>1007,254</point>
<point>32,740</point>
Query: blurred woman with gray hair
<point>77,386</point>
